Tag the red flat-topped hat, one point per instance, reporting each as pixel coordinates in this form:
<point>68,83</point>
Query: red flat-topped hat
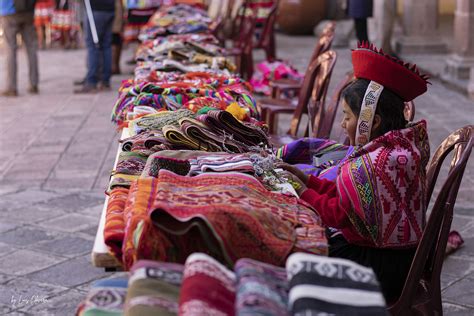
<point>384,72</point>
<point>401,78</point>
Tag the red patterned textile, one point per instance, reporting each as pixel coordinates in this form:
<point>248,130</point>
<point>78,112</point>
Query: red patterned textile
<point>114,230</point>
<point>208,288</point>
<point>141,240</point>
<point>232,216</point>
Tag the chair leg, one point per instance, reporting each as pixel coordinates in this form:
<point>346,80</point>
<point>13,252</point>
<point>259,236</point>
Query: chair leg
<point>273,123</point>
<point>270,49</point>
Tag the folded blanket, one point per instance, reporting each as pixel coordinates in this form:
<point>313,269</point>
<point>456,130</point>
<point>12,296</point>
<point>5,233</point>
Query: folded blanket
<point>114,229</point>
<point>106,297</point>
<point>231,216</point>
<point>131,163</point>
<point>224,123</point>
<point>332,286</point>
<point>178,139</point>
<point>262,289</point>
<point>153,288</point>
<point>208,287</point>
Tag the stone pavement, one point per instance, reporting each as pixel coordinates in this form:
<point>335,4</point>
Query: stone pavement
<point>56,152</point>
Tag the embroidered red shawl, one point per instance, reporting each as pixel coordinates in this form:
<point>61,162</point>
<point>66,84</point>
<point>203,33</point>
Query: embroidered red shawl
<point>383,183</point>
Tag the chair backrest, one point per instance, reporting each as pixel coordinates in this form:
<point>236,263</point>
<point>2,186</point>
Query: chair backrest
<point>244,39</point>
<point>268,27</point>
<point>425,271</point>
<point>315,84</point>
<point>322,126</point>
<point>323,44</point>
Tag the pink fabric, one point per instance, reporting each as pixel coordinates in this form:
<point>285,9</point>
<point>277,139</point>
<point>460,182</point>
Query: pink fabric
<point>272,71</point>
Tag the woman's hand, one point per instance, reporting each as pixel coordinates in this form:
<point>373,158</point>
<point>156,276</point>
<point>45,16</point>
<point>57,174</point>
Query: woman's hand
<point>294,170</point>
<point>297,184</point>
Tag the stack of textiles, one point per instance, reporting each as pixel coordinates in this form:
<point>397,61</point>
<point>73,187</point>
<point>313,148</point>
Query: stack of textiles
<point>230,94</point>
<point>237,163</point>
<point>176,19</point>
<point>229,215</point>
<point>138,14</point>
<point>309,285</point>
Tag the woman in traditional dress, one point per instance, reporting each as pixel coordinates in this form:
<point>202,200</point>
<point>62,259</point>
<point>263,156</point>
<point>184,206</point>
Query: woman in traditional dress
<point>43,12</point>
<point>374,197</point>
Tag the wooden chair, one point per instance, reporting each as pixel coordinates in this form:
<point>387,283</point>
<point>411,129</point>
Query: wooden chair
<point>314,89</point>
<point>242,46</point>
<point>322,45</point>
<point>422,292</point>
<point>324,120</point>
<point>266,40</point>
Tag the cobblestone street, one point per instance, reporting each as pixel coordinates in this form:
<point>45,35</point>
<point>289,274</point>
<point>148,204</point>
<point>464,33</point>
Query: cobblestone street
<point>56,153</point>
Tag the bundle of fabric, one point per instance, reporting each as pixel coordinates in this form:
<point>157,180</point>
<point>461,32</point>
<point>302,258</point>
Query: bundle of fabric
<point>151,49</point>
<point>224,123</point>
<point>221,163</point>
<point>309,285</point>
<point>138,14</point>
<point>177,161</point>
<point>208,287</point>
<point>154,288</point>
<point>266,72</point>
<point>106,297</point>
<point>114,229</point>
<point>157,121</point>
<point>131,163</point>
<point>170,225</point>
<point>177,19</point>
<point>262,289</point>
<point>225,205</point>
<point>146,142</point>
<point>173,96</point>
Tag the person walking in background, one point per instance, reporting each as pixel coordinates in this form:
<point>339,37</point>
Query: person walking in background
<point>43,13</point>
<point>117,30</point>
<point>360,10</point>
<point>385,12</point>
<point>103,12</point>
<point>17,17</point>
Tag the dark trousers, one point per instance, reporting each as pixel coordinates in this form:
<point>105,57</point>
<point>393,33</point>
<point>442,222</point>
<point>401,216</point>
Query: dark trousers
<point>361,29</point>
<point>20,23</point>
<point>101,54</point>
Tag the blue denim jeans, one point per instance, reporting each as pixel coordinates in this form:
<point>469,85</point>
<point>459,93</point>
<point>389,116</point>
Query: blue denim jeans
<point>99,56</point>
